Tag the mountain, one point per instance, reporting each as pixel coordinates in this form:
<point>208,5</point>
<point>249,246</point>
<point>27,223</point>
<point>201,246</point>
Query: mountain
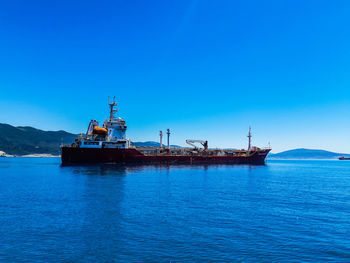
<point>28,140</point>
<point>24,140</point>
<point>306,154</point>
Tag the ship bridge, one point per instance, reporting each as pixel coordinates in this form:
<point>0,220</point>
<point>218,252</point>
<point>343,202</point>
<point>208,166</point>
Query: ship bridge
<point>111,135</point>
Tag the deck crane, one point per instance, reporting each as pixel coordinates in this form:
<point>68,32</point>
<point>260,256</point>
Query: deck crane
<point>204,143</point>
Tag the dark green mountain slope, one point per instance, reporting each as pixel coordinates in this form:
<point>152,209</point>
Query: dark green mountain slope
<point>28,140</point>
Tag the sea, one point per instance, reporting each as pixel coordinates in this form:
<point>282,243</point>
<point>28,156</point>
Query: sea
<point>284,211</point>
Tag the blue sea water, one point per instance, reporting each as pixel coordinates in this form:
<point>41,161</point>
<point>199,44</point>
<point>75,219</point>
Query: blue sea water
<point>285,211</point>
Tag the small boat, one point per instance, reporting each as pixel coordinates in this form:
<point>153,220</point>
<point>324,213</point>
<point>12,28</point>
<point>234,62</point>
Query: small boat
<point>344,158</point>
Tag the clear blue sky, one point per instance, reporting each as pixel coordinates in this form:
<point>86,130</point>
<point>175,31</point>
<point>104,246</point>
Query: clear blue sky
<point>204,69</point>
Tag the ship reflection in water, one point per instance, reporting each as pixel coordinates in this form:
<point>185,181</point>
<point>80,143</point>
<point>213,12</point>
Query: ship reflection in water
<point>125,169</point>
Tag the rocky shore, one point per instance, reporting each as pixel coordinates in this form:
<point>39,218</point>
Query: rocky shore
<point>3,154</point>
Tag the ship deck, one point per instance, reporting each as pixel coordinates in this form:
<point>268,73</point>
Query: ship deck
<point>157,151</point>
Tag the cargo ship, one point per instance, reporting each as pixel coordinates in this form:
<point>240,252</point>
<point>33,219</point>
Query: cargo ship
<point>108,144</point>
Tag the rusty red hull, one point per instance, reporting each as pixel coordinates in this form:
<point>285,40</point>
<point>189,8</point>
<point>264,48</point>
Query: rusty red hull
<point>71,155</point>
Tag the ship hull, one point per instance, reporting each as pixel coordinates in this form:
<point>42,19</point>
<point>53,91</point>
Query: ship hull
<point>76,155</point>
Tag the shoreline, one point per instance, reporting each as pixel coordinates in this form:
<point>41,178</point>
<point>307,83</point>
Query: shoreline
<point>39,155</point>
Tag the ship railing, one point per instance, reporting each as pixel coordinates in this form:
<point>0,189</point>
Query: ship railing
<point>69,145</point>
<point>156,151</point>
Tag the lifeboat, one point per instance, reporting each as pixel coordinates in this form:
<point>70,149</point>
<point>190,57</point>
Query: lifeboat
<point>98,130</point>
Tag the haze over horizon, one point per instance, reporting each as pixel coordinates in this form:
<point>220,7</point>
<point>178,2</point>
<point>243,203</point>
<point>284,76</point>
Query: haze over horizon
<point>204,70</point>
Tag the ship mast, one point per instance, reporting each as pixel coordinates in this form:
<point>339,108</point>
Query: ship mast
<point>161,137</point>
<point>249,138</point>
<point>113,110</point>
<point>168,133</point>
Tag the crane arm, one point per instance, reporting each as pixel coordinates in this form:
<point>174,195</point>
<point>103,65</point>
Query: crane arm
<point>204,143</point>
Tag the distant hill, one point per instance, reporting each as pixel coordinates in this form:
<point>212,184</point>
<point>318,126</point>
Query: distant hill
<point>306,154</point>
<point>28,140</point>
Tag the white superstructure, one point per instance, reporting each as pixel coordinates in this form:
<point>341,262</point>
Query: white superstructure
<point>111,135</point>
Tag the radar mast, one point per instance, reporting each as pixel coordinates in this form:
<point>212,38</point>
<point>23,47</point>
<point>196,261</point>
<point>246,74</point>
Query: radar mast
<point>249,138</point>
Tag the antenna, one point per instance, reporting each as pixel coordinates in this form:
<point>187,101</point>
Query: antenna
<point>249,138</point>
